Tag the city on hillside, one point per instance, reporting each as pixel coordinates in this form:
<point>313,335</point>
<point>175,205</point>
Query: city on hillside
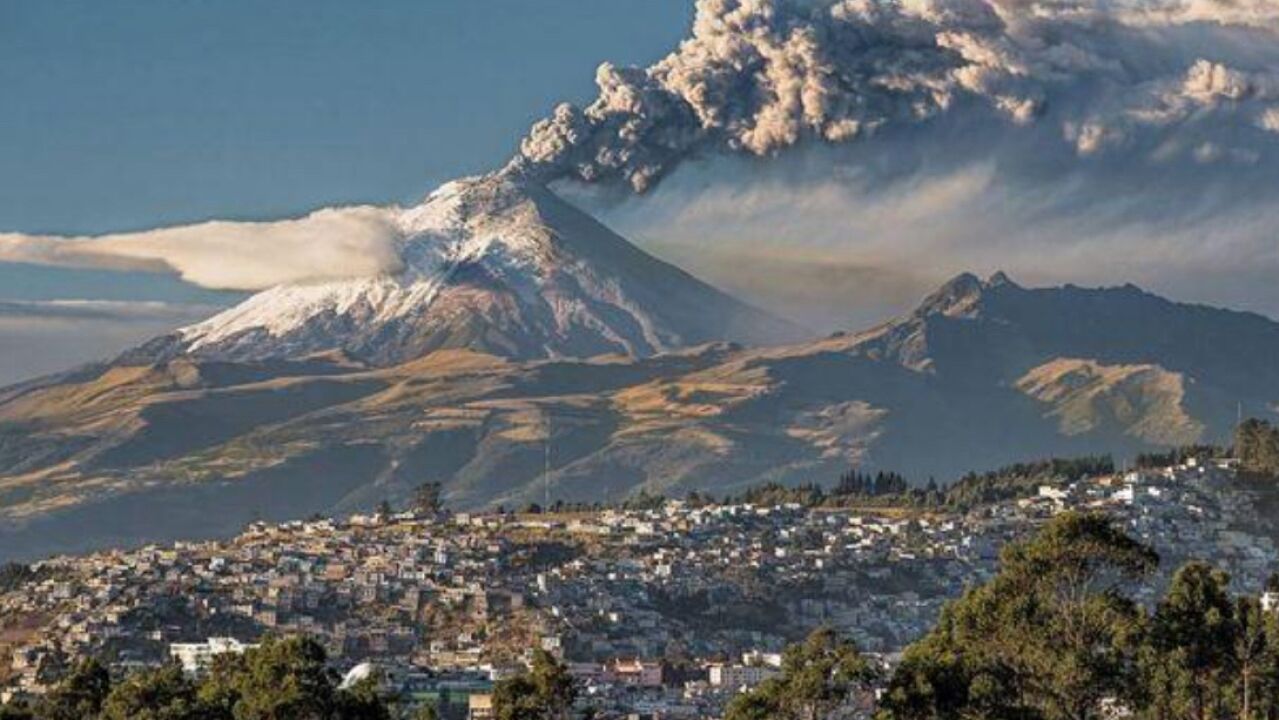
<point>668,608</point>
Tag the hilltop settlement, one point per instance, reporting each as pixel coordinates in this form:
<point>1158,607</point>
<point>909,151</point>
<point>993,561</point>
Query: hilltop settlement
<point>667,610</point>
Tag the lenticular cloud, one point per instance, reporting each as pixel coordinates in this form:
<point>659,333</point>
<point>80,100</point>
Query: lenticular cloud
<point>327,244</point>
<point>759,76</point>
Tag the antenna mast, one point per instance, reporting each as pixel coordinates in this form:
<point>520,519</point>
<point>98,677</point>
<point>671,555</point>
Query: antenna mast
<point>546,466</point>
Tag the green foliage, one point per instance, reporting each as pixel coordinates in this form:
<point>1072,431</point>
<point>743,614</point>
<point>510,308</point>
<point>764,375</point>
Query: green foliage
<point>1257,447</point>
<point>1022,480</point>
<point>362,701</point>
<point>16,711</point>
<point>817,676</point>
<point>772,493</point>
<point>889,489</point>
<point>1053,637</point>
<point>696,499</point>
<point>280,679</point>
<point>1192,638</point>
<point>1047,638</point>
<point>428,499</point>
<point>283,679</point>
<point>79,696</point>
<point>15,575</point>
<point>165,694</point>
<point>1179,455</point>
<point>643,500</point>
<point>858,484</point>
<point>762,703</point>
<point>545,692</point>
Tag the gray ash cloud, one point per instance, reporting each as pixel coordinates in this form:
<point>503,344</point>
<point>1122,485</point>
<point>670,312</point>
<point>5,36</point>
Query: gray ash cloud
<point>760,76</point>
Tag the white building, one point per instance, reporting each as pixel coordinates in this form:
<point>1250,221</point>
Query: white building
<point>196,658</point>
<point>1270,601</point>
<point>739,676</point>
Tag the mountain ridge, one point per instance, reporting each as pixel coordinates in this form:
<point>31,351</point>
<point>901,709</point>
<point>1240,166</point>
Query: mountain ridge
<point>982,373</point>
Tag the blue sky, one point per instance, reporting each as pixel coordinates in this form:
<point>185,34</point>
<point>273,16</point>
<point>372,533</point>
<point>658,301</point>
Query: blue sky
<point>128,115</point>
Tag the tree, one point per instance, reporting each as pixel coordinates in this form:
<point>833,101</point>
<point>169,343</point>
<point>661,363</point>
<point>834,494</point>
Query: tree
<point>362,701</point>
<point>762,703</point>
<point>283,679</point>
<point>545,692</point>
<point>1257,446</point>
<point>515,698</point>
<point>80,695</point>
<point>1193,633</point>
<point>279,680</point>
<point>16,711</point>
<point>1265,700</point>
<point>1251,651</point>
<point>164,694</point>
<point>428,498</point>
<point>1050,636</point>
<point>14,575</point>
<point>818,675</point>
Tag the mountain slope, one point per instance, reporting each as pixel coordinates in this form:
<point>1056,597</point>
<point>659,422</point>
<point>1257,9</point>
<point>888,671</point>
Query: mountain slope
<point>982,373</point>
<point>490,264</point>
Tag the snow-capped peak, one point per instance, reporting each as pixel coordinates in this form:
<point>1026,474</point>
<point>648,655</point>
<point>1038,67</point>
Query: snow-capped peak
<point>493,264</point>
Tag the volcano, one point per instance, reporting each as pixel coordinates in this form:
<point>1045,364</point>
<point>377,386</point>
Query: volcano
<point>490,264</point>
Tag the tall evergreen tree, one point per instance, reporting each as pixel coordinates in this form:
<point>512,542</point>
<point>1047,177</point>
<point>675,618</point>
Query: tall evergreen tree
<point>1193,632</point>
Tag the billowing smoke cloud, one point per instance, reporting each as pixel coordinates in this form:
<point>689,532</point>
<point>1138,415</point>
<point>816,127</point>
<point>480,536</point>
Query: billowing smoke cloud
<point>327,244</point>
<point>759,76</point>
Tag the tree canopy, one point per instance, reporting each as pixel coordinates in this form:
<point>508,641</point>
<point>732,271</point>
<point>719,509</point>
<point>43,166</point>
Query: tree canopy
<point>1045,639</point>
<point>545,692</point>
<point>282,679</point>
<point>1257,447</point>
<point>817,676</point>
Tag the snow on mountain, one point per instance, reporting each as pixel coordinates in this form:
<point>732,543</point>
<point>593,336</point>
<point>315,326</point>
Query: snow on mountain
<point>492,264</point>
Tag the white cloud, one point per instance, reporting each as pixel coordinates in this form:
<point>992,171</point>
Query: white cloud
<point>326,244</point>
<point>1269,119</point>
<point>15,312</point>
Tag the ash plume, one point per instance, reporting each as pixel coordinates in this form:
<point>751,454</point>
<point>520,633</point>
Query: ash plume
<point>759,76</point>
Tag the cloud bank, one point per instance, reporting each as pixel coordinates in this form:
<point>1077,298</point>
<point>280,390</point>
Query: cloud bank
<point>327,244</point>
<point>845,239</point>
<point>40,337</point>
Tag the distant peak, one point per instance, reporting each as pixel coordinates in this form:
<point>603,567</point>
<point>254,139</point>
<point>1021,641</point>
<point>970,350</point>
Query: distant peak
<point>999,278</point>
<point>963,282</point>
<point>960,294</point>
<point>954,297</point>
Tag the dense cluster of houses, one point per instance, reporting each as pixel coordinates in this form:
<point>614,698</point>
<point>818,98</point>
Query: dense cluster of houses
<point>666,611</point>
